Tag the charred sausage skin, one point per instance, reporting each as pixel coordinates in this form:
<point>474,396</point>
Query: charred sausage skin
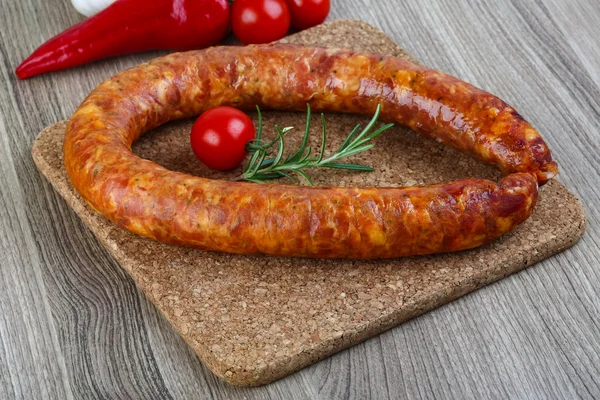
<point>285,220</point>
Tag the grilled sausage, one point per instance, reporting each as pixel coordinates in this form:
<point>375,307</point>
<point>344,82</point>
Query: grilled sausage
<point>329,222</point>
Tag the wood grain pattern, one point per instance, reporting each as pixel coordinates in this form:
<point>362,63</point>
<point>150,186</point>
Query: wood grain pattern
<point>63,301</point>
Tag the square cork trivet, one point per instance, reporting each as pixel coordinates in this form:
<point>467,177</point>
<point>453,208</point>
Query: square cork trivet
<point>255,319</point>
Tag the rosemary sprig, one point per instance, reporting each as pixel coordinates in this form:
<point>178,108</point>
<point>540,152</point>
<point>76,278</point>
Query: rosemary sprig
<point>266,163</point>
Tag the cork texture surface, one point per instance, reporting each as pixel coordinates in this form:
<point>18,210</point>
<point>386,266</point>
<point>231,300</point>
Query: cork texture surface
<point>255,319</point>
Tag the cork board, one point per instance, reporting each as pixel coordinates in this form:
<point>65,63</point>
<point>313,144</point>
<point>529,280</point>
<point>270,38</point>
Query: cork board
<point>255,319</point>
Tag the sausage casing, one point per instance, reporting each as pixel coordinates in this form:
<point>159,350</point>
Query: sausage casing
<point>289,220</point>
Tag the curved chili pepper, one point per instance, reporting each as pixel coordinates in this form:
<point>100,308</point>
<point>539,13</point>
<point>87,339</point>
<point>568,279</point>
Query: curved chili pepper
<point>130,26</point>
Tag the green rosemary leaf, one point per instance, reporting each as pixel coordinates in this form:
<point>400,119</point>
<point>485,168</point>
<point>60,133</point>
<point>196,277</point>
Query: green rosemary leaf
<point>251,146</point>
<point>306,155</point>
<point>253,180</point>
<point>283,132</point>
<point>303,174</point>
<point>323,139</point>
<point>349,138</point>
<point>367,128</point>
<point>260,125</point>
<point>354,150</point>
<point>281,145</point>
<point>352,167</point>
<point>267,162</point>
<point>253,160</point>
<point>258,162</point>
<point>289,167</point>
<point>300,151</point>
<point>269,175</point>
<point>375,134</point>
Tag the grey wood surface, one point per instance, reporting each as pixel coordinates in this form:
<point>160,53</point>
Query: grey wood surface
<point>73,325</point>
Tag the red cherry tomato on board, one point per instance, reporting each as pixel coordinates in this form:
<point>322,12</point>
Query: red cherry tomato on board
<point>219,137</point>
<point>308,13</point>
<point>259,21</point>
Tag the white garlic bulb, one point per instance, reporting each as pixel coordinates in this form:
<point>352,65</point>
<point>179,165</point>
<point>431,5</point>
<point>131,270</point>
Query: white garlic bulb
<point>91,7</point>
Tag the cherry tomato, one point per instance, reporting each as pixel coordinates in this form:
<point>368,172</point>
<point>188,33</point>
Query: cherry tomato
<point>259,21</point>
<point>308,13</point>
<point>219,137</point>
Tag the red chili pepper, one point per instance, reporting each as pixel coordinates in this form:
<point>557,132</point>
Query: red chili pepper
<point>130,26</point>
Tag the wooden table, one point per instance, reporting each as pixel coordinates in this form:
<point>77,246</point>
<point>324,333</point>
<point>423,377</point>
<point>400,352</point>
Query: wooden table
<point>73,325</point>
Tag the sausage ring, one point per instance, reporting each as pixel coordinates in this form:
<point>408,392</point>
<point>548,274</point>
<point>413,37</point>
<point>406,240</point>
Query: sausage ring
<point>285,220</point>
